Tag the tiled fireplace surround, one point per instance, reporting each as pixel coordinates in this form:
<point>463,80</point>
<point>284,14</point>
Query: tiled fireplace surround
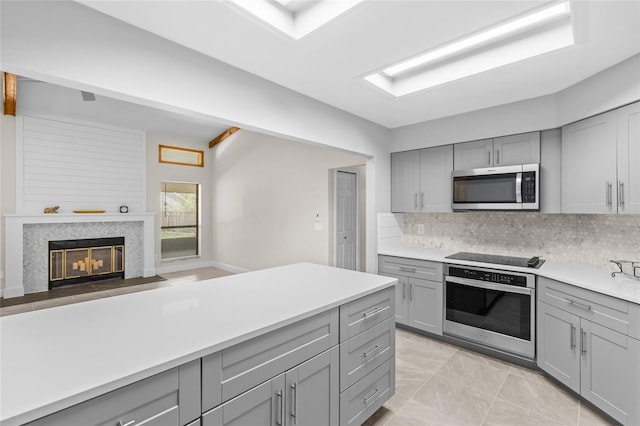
<point>27,238</point>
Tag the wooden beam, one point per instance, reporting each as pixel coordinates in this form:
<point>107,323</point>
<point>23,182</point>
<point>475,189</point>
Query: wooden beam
<point>222,136</point>
<point>9,93</point>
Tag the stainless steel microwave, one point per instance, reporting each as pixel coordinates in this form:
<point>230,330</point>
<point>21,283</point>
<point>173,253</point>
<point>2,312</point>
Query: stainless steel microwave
<point>497,188</point>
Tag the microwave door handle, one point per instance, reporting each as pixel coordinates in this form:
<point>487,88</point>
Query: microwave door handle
<point>490,286</point>
<point>518,187</point>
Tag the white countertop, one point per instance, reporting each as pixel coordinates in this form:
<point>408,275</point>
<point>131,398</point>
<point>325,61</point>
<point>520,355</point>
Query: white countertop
<point>54,358</point>
<point>588,277</point>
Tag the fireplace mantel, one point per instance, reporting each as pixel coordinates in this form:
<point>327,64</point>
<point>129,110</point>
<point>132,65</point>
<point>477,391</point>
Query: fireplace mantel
<point>14,248</point>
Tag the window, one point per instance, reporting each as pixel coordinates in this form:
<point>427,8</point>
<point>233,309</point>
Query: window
<point>180,219</point>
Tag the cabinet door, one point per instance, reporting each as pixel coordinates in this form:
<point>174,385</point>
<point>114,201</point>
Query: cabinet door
<point>405,181</point>
<point>517,149</point>
<point>629,159</point>
<point>611,372</point>
<point>559,345</point>
<point>425,305</point>
<point>312,391</point>
<point>262,405</point>
<point>436,165</point>
<point>589,165</point>
<point>473,155</point>
<point>402,300</point>
<point>151,401</point>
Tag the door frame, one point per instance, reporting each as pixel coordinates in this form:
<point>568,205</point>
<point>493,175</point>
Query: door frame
<point>334,207</point>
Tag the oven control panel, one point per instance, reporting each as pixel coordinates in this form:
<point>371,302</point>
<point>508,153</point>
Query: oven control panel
<point>490,276</point>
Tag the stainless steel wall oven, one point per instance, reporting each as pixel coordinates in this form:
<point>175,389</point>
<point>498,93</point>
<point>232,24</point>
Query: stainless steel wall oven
<point>491,308</point>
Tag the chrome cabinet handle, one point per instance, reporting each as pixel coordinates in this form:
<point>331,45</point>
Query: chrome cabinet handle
<point>573,337</point>
<point>609,195</point>
<point>373,312</point>
<point>488,158</point>
<point>280,408</point>
<point>129,423</point>
<point>404,291</point>
<point>422,201</point>
<point>375,348</point>
<point>578,304</point>
<point>410,291</point>
<point>415,201</point>
<point>294,406</point>
<point>497,156</point>
<point>405,269</point>
<point>621,194</point>
<point>367,399</point>
<point>583,341</point>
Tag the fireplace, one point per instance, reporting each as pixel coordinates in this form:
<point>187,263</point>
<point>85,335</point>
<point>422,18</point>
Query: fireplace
<point>84,261</point>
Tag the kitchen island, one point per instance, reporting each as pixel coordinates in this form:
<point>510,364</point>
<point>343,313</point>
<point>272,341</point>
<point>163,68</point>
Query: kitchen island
<point>54,359</point>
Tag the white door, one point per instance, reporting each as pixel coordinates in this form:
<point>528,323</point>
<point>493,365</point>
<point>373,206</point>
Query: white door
<point>346,220</point>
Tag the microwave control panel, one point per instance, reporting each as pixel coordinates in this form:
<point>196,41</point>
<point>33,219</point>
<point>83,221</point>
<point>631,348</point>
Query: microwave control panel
<point>529,187</point>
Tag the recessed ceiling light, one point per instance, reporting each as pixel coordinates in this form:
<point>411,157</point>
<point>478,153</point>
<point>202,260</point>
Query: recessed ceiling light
<point>544,30</point>
<point>296,18</point>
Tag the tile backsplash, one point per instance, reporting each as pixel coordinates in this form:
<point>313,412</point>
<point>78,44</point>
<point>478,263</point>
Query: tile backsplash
<point>583,238</point>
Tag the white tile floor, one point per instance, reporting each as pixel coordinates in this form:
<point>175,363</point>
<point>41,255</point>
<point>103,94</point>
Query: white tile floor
<point>441,384</point>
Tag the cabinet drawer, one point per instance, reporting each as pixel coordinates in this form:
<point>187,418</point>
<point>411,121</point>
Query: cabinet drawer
<point>363,353</point>
<point>255,361</point>
<point>423,269</point>
<point>153,400</point>
<point>616,314</point>
<point>364,313</point>
<point>361,400</point>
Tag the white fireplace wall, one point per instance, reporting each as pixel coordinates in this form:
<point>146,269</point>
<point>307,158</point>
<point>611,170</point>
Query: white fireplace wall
<point>36,239</point>
<point>78,166</point>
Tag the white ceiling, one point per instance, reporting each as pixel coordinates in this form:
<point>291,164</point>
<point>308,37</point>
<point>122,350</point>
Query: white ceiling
<point>329,63</point>
<point>40,98</point>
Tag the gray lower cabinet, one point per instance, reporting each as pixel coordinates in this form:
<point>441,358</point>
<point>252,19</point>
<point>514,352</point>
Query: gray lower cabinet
<point>367,356</point>
<point>361,400</point>
<point>288,376</point>
<point>305,395</point>
<point>168,398</point>
<point>419,298</point>
<point>578,346</point>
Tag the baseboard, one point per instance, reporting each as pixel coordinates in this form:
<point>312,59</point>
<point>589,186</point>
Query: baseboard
<point>230,268</point>
<point>177,267</point>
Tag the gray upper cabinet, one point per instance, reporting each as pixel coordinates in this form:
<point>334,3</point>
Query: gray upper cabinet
<point>421,180</point>
<point>629,159</point>
<point>522,148</point>
<point>405,181</point>
<point>473,155</point>
<point>601,163</point>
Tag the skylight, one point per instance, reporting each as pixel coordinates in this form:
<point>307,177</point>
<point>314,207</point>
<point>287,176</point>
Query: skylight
<point>536,33</point>
<point>296,18</point>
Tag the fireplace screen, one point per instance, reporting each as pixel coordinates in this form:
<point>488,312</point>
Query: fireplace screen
<point>78,261</point>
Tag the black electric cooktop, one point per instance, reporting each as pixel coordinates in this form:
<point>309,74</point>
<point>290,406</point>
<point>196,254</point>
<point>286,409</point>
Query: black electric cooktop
<point>522,262</point>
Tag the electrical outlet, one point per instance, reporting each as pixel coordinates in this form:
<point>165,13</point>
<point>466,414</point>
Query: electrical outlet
<point>421,229</point>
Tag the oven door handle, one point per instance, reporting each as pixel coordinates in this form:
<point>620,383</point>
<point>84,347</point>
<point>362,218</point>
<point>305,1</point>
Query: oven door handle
<point>489,286</point>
